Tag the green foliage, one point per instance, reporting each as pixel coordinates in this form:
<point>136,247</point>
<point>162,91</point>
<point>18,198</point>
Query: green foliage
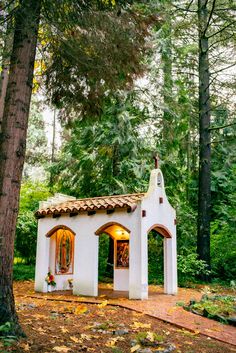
<point>36,153</point>
<point>189,267</point>
<point>155,259</point>
<point>90,58</point>
<point>5,335</point>
<point>26,229</point>
<point>23,272</point>
<point>218,307</point>
<point>103,256</point>
<point>26,236</point>
<point>108,156</point>
<point>31,194</point>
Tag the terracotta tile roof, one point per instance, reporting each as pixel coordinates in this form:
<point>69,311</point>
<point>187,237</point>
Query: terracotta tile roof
<point>92,204</point>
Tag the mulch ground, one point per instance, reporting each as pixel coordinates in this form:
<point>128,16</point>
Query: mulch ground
<point>58,326</point>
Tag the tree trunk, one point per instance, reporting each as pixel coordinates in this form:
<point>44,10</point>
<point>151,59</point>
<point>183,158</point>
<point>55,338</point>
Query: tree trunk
<point>12,147</point>
<point>204,197</point>
<point>6,56</point>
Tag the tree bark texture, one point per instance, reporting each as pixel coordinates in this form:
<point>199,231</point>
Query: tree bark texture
<point>6,56</point>
<point>204,197</point>
<point>12,147</point>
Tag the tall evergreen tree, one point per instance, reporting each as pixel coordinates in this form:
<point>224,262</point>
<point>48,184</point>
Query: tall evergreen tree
<point>12,147</point>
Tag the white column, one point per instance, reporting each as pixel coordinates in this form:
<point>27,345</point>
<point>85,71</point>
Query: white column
<point>170,266</point>
<point>138,266</point>
<point>42,258</point>
<point>85,279</point>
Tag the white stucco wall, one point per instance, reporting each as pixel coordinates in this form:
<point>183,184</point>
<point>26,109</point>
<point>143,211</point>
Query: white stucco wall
<point>121,279</point>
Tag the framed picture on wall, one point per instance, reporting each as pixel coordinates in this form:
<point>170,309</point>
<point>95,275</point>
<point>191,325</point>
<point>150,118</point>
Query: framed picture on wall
<point>122,254</point>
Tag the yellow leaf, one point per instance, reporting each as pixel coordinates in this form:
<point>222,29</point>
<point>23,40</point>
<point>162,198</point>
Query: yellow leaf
<point>63,329</point>
<point>104,303</point>
<point>110,343</point>
<point>137,324</point>
<point>166,332</point>
<point>74,339</point>
<point>81,309</point>
<point>61,349</point>
<point>41,331</point>
<point>25,346</point>
<point>85,337</point>
<point>88,327</point>
<point>150,336</point>
<point>135,348</point>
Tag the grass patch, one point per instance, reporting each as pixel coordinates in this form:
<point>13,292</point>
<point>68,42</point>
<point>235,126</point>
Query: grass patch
<point>23,272</point>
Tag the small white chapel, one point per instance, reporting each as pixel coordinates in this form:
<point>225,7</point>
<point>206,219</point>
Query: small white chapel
<point>68,240</point>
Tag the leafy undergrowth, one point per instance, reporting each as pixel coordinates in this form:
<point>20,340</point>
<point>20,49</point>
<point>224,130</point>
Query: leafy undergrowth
<point>218,307</point>
<point>59,326</point>
<point>23,272</point>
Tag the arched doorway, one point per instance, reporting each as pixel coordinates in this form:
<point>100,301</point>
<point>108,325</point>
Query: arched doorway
<point>61,255</point>
<point>156,253</point>
<point>116,254</point>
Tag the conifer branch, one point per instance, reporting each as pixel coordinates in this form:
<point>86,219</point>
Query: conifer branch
<point>221,30</point>
<point>210,17</point>
<point>221,127</point>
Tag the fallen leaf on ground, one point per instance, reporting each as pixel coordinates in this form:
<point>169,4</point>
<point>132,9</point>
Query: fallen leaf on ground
<point>111,343</point>
<point>25,346</point>
<point>137,325</point>
<point>150,336</point>
<point>63,329</point>
<point>104,303</point>
<point>39,316</point>
<point>135,348</point>
<point>74,339</point>
<point>85,337</point>
<point>41,331</point>
<point>61,349</point>
<point>81,309</point>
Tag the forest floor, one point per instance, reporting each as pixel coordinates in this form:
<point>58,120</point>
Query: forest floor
<point>55,323</point>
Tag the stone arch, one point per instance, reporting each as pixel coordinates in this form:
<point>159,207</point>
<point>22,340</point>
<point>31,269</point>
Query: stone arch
<point>54,229</point>
<point>164,231</point>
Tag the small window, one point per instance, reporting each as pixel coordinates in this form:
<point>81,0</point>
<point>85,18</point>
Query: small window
<point>159,180</point>
<point>64,252</point>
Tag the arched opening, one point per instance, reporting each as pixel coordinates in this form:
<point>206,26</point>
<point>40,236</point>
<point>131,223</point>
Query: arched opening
<point>114,255</point>
<point>61,255</point>
<point>156,235</point>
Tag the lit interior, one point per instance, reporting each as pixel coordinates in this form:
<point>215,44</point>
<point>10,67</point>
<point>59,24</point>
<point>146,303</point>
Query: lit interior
<point>117,232</point>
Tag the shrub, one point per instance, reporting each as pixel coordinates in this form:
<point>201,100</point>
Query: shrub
<point>26,237</point>
<point>189,267</point>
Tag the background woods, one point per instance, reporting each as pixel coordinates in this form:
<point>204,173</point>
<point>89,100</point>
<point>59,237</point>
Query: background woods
<point>127,80</point>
